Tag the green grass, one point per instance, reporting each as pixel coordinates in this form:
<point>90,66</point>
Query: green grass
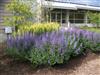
<point>91,29</point>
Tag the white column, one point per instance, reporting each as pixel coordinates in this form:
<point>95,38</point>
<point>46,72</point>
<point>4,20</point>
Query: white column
<point>56,16</point>
<point>67,18</point>
<point>50,16</point>
<point>61,18</point>
<point>39,10</point>
<point>86,18</point>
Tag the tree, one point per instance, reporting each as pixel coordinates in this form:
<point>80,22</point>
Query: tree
<point>94,18</point>
<point>22,13</point>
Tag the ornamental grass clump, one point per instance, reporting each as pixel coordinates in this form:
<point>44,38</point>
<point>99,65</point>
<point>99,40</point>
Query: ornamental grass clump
<point>49,48</point>
<point>37,28</point>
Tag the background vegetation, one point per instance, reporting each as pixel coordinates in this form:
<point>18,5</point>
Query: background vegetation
<point>22,13</point>
<point>94,18</point>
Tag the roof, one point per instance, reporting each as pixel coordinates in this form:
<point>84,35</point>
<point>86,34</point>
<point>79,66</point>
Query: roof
<point>62,5</point>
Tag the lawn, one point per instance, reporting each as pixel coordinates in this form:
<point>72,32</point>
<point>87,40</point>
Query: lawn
<point>91,29</point>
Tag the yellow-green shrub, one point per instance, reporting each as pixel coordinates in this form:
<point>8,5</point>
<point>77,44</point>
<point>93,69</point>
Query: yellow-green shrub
<point>38,28</point>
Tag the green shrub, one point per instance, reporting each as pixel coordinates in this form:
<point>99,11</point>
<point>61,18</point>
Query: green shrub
<point>94,18</point>
<point>22,13</point>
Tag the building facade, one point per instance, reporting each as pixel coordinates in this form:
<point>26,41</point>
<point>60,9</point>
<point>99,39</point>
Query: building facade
<point>73,12</point>
<point>65,12</point>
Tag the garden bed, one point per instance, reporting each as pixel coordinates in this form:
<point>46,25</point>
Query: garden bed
<point>88,64</point>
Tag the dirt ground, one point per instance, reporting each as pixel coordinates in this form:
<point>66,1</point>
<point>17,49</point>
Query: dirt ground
<point>88,64</point>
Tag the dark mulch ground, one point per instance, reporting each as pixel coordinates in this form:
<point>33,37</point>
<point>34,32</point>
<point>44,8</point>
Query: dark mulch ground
<point>88,64</point>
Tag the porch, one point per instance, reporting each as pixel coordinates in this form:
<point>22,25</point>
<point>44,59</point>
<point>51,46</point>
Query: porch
<point>68,17</point>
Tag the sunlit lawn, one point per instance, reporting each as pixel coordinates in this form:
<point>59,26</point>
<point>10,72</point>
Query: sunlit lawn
<point>91,29</point>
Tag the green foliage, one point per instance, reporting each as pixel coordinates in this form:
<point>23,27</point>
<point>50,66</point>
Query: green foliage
<point>95,47</point>
<point>37,28</point>
<point>21,13</point>
<point>46,56</point>
<point>94,18</point>
<point>14,53</point>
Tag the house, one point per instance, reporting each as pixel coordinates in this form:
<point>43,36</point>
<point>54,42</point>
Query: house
<point>73,12</point>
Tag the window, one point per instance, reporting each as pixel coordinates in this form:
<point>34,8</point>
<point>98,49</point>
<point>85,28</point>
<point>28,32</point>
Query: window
<point>63,17</point>
<point>58,17</point>
<point>76,16</point>
<point>53,17</point>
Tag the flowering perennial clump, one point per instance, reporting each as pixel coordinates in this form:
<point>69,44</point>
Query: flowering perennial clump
<point>48,48</point>
<point>91,39</point>
<point>92,36</point>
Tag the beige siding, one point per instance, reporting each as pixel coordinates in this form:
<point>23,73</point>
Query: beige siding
<point>3,13</point>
